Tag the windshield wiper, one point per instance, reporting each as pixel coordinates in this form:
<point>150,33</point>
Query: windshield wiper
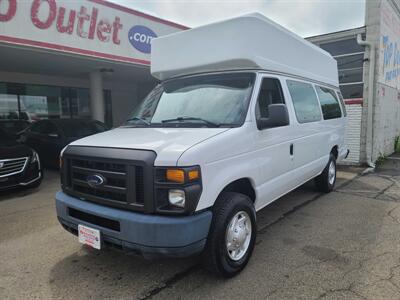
<point>139,119</point>
<point>183,119</point>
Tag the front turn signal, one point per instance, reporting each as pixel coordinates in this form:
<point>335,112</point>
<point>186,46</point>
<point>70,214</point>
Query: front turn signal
<point>176,175</point>
<point>193,175</point>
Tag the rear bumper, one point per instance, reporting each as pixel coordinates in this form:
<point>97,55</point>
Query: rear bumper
<point>149,235</point>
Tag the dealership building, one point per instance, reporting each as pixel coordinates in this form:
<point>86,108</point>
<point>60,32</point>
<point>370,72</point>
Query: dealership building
<point>91,58</point>
<point>66,59</point>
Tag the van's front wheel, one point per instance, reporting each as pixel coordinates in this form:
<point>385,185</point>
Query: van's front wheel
<point>325,182</point>
<point>232,235</point>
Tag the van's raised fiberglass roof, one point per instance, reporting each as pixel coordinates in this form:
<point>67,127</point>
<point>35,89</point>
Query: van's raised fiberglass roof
<point>247,42</point>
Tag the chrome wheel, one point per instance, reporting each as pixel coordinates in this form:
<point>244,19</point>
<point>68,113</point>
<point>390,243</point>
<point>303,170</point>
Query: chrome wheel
<point>238,235</point>
<point>331,173</point>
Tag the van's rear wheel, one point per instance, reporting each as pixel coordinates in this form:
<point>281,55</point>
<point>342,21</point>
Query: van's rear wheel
<point>232,235</point>
<point>325,182</point>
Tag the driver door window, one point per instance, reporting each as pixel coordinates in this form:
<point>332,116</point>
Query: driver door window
<point>270,93</point>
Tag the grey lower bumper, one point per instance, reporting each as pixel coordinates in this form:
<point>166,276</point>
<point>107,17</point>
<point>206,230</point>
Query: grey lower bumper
<point>150,235</point>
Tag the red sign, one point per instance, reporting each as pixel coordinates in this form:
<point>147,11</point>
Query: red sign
<point>89,27</point>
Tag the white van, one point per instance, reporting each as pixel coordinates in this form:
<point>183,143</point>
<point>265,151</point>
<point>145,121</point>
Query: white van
<point>246,111</point>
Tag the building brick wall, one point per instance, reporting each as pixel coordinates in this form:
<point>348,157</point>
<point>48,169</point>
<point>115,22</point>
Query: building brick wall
<point>353,133</point>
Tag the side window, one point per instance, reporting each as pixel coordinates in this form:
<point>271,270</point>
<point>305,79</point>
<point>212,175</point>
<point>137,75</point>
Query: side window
<point>329,103</point>
<point>270,93</point>
<point>305,101</point>
<point>342,103</point>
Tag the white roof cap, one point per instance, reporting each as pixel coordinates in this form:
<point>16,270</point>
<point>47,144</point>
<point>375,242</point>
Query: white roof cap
<point>247,42</point>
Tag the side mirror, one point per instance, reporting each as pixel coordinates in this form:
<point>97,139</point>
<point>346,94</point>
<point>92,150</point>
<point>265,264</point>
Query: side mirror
<point>278,116</point>
<point>53,135</point>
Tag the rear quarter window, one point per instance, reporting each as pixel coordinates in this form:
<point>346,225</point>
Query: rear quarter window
<point>329,103</point>
<point>305,101</point>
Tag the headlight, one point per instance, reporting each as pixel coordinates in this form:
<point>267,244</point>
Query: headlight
<point>35,157</point>
<point>177,189</point>
<point>176,198</point>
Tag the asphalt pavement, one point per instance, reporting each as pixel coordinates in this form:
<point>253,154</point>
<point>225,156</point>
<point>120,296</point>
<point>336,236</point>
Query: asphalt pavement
<point>342,245</point>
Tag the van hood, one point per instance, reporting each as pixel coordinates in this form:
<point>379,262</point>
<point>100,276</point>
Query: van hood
<point>168,143</point>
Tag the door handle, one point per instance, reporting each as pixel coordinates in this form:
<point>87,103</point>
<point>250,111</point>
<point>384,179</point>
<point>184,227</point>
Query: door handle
<point>291,149</point>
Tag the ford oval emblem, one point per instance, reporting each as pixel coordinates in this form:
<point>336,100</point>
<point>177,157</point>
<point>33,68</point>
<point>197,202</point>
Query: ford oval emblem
<point>140,37</point>
<point>95,180</point>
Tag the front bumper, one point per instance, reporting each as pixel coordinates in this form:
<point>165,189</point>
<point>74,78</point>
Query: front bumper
<point>30,176</point>
<point>149,235</point>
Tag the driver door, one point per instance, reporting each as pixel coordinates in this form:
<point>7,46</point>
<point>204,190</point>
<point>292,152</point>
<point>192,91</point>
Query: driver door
<point>274,145</point>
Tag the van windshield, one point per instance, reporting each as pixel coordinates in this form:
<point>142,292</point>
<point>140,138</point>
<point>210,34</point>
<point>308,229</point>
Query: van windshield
<point>219,100</point>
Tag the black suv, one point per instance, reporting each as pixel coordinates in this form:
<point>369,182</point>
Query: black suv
<point>19,164</point>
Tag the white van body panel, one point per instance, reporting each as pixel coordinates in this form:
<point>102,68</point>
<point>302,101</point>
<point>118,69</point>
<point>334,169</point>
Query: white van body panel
<point>247,42</point>
<point>168,143</point>
<point>263,156</point>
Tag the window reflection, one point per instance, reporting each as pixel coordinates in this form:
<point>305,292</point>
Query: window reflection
<point>36,102</point>
<point>8,106</point>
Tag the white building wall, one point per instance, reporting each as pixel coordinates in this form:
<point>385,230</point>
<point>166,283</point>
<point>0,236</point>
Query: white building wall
<point>383,29</point>
<point>386,119</point>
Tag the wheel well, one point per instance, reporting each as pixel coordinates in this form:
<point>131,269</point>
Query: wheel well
<point>335,152</point>
<point>242,186</point>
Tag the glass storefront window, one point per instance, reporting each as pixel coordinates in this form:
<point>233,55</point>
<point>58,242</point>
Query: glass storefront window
<point>351,91</point>
<point>35,102</point>
<point>9,106</point>
<point>43,102</point>
<point>351,75</point>
<point>342,47</point>
<point>3,89</point>
<point>350,61</point>
<point>80,103</point>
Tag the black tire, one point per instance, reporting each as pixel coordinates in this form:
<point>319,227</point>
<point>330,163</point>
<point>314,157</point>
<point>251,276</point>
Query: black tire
<point>323,182</point>
<point>215,255</point>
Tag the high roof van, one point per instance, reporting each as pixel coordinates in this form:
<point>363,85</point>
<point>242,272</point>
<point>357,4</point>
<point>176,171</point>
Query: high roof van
<point>245,112</point>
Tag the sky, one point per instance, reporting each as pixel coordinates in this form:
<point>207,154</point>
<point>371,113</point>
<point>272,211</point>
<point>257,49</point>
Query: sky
<point>304,17</point>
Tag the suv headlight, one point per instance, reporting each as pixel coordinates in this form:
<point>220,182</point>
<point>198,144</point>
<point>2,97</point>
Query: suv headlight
<point>177,189</point>
<point>35,157</point>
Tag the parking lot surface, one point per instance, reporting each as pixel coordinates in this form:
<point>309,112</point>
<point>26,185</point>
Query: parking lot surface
<point>342,245</point>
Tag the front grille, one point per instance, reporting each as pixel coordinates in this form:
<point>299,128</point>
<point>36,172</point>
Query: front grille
<point>115,186</point>
<point>13,166</point>
<point>126,182</point>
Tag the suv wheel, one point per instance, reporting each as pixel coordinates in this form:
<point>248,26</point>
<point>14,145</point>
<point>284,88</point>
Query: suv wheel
<point>325,182</point>
<point>232,235</point>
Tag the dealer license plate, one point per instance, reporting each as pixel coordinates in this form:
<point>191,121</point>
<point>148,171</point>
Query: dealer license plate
<point>89,236</point>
